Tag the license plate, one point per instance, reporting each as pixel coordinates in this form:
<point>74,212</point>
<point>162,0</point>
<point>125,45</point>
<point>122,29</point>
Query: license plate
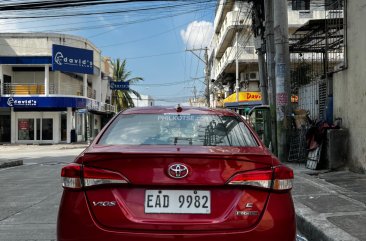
<point>178,201</point>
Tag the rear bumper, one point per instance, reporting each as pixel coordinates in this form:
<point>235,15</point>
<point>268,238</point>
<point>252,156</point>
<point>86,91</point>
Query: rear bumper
<point>75,222</point>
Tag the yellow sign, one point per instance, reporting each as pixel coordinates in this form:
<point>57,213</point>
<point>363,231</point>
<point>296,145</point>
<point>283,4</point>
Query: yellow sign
<point>244,97</point>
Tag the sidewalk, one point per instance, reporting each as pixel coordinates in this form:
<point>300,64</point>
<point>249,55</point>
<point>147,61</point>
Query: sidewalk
<point>330,205</point>
<point>14,148</point>
<point>35,147</point>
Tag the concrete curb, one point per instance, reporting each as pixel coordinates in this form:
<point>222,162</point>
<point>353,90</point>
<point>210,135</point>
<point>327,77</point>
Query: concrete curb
<point>73,147</point>
<point>316,227</point>
<point>309,230</point>
<point>312,221</point>
<point>13,163</point>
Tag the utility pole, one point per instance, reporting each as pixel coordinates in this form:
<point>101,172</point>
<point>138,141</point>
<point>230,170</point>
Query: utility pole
<point>259,42</point>
<point>207,74</point>
<point>237,88</point>
<point>270,52</point>
<point>282,60</point>
<point>207,70</point>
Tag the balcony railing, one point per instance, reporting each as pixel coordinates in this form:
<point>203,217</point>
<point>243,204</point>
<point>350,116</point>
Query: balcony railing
<point>26,89</point>
<point>234,20</point>
<point>102,107</point>
<point>246,54</point>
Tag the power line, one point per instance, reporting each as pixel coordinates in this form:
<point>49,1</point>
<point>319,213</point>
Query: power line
<point>141,9</point>
<point>37,5</point>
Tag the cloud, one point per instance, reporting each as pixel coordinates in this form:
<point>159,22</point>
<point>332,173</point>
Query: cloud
<point>109,25</point>
<point>197,34</point>
<point>6,26</point>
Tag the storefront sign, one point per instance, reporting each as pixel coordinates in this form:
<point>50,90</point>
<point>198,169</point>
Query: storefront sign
<point>43,102</point>
<point>23,102</point>
<point>80,103</point>
<point>244,97</point>
<point>119,85</point>
<point>74,60</point>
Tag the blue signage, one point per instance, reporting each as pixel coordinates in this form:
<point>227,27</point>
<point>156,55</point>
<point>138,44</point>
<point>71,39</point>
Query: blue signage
<point>43,102</point>
<point>35,102</point>
<point>25,59</point>
<point>119,85</point>
<point>73,60</point>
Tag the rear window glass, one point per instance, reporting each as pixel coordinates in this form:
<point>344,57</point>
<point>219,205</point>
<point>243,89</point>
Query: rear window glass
<point>173,129</point>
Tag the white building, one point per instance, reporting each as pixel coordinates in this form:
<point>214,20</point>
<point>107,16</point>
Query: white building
<point>146,100</point>
<point>39,104</point>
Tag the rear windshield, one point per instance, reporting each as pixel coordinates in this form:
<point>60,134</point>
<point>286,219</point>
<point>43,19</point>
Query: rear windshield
<point>173,129</point>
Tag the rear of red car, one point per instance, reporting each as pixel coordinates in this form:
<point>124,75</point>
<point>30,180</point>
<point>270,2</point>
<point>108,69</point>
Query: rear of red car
<point>159,174</point>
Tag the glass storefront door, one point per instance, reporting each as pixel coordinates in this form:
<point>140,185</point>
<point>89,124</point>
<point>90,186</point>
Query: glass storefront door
<point>44,129</point>
<point>35,129</point>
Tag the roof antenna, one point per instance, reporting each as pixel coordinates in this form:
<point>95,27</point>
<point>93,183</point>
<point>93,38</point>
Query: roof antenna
<point>178,108</point>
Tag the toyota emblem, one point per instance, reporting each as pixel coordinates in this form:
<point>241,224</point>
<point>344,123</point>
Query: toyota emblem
<point>178,171</point>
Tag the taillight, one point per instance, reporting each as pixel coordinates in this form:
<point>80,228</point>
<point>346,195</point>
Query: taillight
<point>280,178</point>
<point>283,177</point>
<point>71,176</point>
<point>76,176</point>
<point>261,179</point>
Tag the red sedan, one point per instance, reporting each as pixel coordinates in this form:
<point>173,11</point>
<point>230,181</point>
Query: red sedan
<point>161,173</point>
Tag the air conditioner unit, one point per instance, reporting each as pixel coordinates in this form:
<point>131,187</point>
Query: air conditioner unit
<point>252,76</point>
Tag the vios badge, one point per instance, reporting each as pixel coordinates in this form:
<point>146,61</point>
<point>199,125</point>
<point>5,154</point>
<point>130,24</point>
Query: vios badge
<point>104,204</point>
<point>178,171</point>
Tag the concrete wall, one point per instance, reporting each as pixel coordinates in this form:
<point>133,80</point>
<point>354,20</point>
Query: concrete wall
<point>350,87</point>
<point>7,70</point>
<point>70,86</point>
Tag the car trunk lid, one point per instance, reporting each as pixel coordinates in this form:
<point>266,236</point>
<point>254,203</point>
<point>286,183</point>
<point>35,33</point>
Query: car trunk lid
<point>141,204</point>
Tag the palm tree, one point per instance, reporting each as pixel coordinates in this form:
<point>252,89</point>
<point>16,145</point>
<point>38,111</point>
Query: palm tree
<point>122,98</point>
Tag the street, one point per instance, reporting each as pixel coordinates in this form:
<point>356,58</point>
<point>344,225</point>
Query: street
<point>31,194</point>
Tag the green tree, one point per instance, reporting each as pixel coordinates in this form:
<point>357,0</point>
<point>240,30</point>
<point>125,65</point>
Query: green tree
<point>122,98</point>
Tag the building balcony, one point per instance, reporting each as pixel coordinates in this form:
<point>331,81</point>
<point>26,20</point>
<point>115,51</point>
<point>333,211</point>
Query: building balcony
<point>227,63</point>
<point>223,8</point>
<point>233,22</point>
<point>26,89</point>
<point>97,106</point>
<point>298,18</point>
<point>39,89</point>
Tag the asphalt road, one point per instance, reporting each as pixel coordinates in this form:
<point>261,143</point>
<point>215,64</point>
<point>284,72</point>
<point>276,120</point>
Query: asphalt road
<point>30,194</point>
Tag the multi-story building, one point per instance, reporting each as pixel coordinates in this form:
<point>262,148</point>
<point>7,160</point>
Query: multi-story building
<point>233,38</point>
<point>46,97</point>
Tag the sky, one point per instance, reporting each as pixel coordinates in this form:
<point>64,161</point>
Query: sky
<point>155,43</point>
